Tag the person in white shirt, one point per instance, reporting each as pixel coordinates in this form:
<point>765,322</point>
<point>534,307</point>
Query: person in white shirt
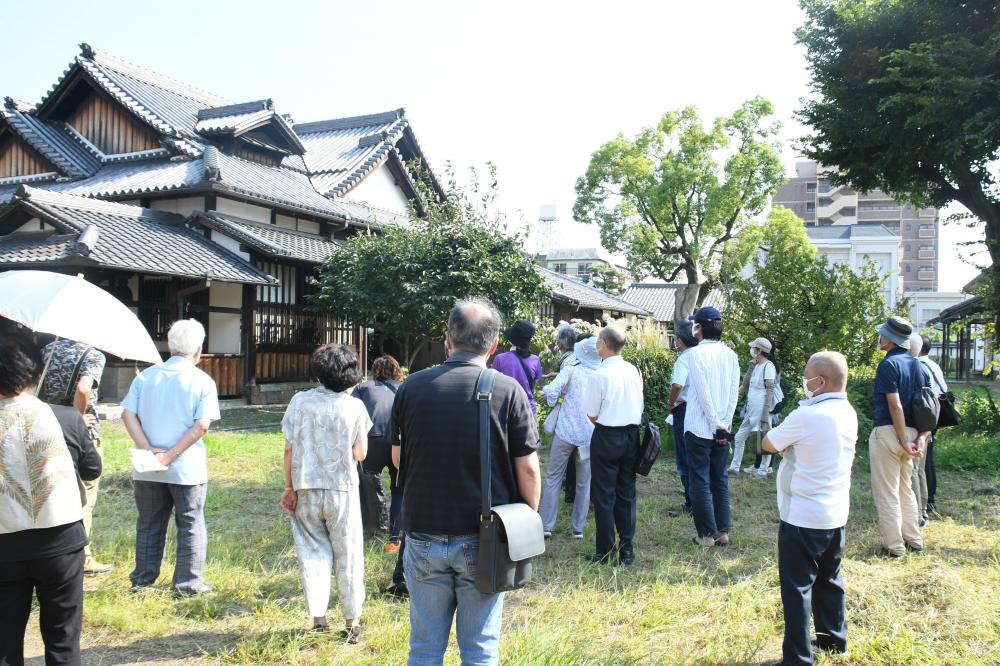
<point>927,462</point>
<point>763,392</point>
<point>571,441</point>
<point>817,442</point>
<point>684,340</point>
<point>614,404</point>
<point>714,379</point>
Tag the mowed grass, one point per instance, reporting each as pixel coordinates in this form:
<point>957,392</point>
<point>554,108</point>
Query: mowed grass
<point>678,604</point>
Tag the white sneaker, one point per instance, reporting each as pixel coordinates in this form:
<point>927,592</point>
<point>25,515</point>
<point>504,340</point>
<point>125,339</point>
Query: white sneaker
<point>761,473</point>
<point>749,469</point>
<point>734,470</point>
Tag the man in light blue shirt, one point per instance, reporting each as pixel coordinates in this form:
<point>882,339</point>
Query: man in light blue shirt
<point>168,410</point>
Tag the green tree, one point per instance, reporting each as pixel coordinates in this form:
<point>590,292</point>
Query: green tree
<point>906,99</point>
<point>802,303</point>
<point>607,278</point>
<point>677,198</point>
<point>402,281</point>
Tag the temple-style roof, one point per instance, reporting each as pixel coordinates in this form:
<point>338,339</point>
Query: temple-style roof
<point>51,140</point>
<point>268,239</point>
<point>659,298</point>
<point>572,292</point>
<point>90,232</point>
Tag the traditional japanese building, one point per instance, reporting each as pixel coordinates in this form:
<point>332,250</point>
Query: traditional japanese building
<point>185,204</point>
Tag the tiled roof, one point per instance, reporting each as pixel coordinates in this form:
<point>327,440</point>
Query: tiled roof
<point>576,253</point>
<point>128,238</point>
<point>659,298</point>
<point>53,142</point>
<point>576,293</point>
<point>269,239</point>
<point>340,152</point>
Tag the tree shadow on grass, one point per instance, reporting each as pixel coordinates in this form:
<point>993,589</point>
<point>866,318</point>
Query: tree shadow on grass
<point>175,648</point>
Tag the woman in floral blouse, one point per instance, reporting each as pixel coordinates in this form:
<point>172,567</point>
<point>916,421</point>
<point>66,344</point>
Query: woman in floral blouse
<point>326,433</point>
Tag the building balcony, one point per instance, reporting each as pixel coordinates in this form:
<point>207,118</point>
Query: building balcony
<point>927,232</point>
<point>926,254</point>
<point>925,275</point>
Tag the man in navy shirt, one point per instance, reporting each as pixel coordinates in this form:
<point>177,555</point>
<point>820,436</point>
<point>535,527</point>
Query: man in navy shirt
<point>894,442</point>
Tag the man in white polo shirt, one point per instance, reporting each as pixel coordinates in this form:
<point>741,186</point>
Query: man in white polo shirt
<point>817,443</point>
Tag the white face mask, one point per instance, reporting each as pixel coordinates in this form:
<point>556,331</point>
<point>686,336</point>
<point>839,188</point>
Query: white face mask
<point>805,386</point>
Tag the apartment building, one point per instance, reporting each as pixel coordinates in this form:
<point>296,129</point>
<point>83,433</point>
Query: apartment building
<point>813,197</point>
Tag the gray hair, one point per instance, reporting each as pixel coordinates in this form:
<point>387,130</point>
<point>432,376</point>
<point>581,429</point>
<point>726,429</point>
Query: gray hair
<point>185,337</point>
<point>473,325</point>
<point>613,338</point>
<point>566,336</point>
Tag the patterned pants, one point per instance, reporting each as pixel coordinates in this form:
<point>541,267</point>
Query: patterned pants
<point>326,528</point>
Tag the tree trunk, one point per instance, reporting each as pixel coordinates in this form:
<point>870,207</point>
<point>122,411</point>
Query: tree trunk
<point>685,302</point>
<point>412,356</point>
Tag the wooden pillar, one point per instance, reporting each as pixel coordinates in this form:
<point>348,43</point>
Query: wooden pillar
<point>945,356</point>
<point>248,340</point>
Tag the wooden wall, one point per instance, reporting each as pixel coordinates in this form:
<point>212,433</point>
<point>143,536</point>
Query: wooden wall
<point>110,128</point>
<point>19,159</point>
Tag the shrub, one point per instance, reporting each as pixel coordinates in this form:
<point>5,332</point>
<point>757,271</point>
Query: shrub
<point>980,414</point>
<point>655,363</point>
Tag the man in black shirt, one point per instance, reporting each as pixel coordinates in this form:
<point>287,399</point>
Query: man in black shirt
<point>435,438</point>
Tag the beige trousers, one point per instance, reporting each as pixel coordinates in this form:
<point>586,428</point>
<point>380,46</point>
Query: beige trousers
<point>88,511</point>
<point>919,483</point>
<point>892,472</point>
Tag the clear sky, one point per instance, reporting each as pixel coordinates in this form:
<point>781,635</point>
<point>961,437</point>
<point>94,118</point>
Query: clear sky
<point>532,86</point>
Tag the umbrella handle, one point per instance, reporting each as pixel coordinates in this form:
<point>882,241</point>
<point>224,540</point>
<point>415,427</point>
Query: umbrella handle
<point>45,369</point>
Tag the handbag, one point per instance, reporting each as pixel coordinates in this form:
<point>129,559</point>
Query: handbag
<point>949,415</point>
<point>549,424</point>
<point>509,534</point>
<point>649,449</point>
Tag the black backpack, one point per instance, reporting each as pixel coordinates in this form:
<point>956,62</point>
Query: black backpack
<point>925,408</point>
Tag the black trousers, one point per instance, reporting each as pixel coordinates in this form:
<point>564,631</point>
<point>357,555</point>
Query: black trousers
<point>58,582</point>
<point>809,571</point>
<point>613,452</point>
<point>373,514</point>
<point>930,471</point>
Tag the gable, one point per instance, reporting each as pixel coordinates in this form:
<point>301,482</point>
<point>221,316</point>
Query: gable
<point>380,189</point>
<point>109,128</point>
<point>17,158</point>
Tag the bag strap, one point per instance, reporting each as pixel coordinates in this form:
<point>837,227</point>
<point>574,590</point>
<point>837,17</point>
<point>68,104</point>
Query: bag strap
<point>389,386</point>
<point>565,390</point>
<point>941,391</point>
<point>524,366</point>
<point>484,393</point>
<point>75,378</point>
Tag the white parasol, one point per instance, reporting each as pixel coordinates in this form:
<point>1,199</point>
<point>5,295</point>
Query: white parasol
<point>70,307</point>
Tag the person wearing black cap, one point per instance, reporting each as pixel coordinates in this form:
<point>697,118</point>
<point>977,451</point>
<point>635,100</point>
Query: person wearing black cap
<point>894,442</point>
<point>520,364</point>
<point>683,341</point>
<point>714,379</point>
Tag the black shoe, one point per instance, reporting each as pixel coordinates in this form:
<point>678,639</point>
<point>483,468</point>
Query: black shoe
<point>626,557</point>
<point>888,553</point>
<point>594,558</point>
<point>397,590</point>
<point>352,635</point>
<point>913,548</point>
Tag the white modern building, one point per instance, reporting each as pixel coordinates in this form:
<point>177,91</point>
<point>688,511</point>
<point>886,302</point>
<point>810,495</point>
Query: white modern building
<point>578,262</point>
<point>854,245</point>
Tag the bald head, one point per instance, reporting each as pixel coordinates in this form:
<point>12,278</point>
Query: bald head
<point>473,325</point>
<point>832,367</point>
<point>612,339</point>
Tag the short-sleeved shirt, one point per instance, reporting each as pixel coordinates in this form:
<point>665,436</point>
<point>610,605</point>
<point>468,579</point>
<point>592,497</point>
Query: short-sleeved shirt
<point>679,375</point>
<point>898,373</point>
<point>378,396</point>
<point>510,364</point>
<point>168,399</point>
<point>65,356</point>
<point>817,441</point>
<point>614,394</point>
<point>322,427</point>
<point>435,419</point>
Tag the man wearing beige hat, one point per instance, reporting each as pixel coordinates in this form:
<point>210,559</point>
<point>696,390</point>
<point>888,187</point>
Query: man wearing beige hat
<point>894,442</point>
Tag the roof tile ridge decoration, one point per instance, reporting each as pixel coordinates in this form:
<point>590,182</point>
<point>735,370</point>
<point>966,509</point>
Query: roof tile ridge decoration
<point>130,103</point>
<point>181,88</point>
<point>31,178</point>
<point>350,122</point>
<point>18,104</point>
<point>238,109</point>
<point>46,198</point>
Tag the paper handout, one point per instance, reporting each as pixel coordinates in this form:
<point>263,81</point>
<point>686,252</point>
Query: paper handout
<point>143,460</point>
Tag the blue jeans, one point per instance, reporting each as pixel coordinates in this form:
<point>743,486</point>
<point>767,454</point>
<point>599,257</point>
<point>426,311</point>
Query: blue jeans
<point>440,575</point>
<point>708,479</point>
<point>680,454</point>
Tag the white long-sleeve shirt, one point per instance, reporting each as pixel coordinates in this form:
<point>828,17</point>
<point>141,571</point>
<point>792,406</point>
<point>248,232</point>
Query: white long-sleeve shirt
<point>714,381</point>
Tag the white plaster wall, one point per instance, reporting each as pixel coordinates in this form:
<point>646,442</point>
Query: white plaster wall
<point>224,328</point>
<point>34,224</point>
<point>184,206</point>
<point>309,226</point>
<point>244,210</point>
<point>229,243</point>
<point>284,221</point>
<point>379,189</point>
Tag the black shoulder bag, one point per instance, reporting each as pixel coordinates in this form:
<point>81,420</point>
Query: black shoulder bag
<point>649,449</point>
<point>949,415</point>
<point>509,534</point>
<point>924,405</point>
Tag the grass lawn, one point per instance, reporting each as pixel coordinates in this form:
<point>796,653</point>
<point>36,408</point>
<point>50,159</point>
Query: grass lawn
<point>677,605</point>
